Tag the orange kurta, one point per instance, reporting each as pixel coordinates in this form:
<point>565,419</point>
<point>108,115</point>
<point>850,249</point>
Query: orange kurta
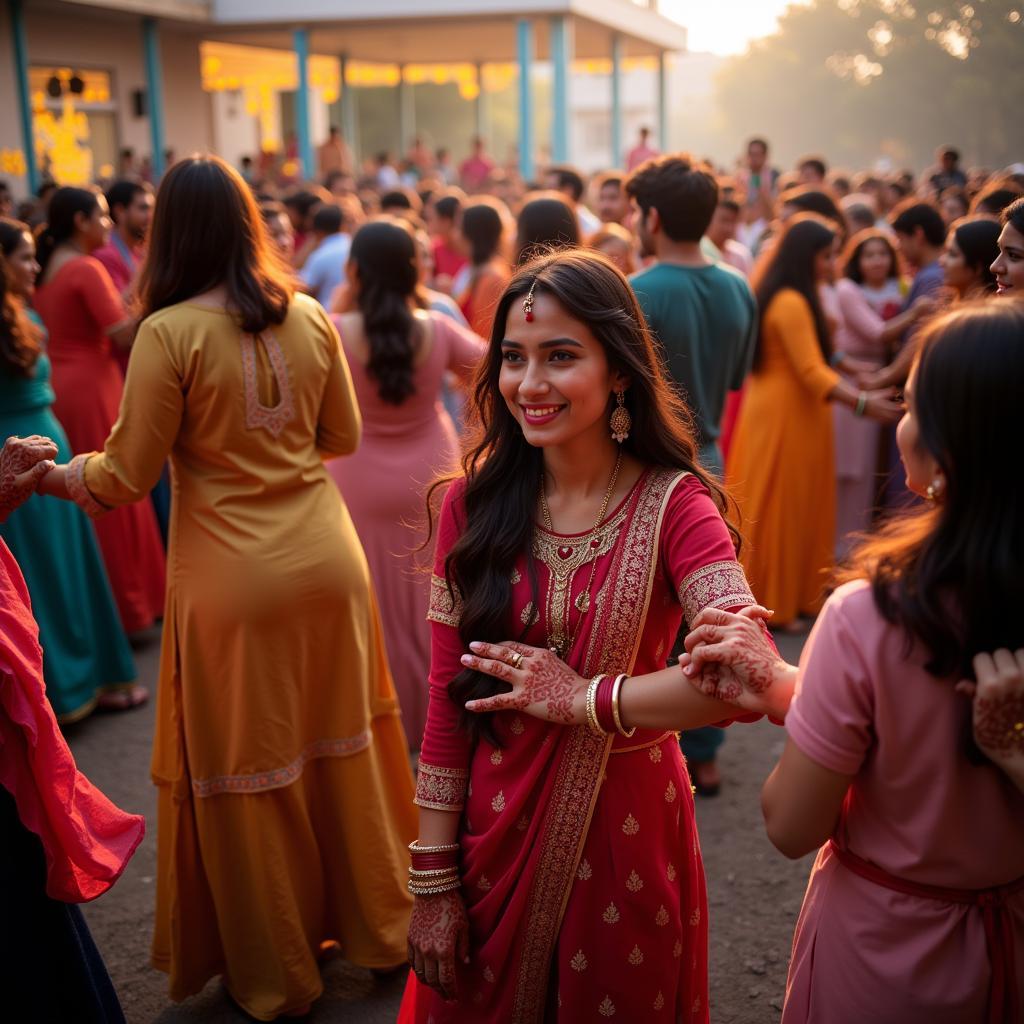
<point>285,795</point>
<point>781,464</point>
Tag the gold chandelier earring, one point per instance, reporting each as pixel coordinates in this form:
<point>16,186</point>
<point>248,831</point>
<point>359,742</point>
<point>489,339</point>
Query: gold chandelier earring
<point>933,490</point>
<point>621,422</point>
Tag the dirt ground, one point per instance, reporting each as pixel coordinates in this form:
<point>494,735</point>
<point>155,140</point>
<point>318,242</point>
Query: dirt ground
<point>754,892</point>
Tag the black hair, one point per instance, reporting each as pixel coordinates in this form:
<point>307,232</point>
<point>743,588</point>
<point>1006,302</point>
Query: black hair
<point>448,206</point>
<point>483,227</point>
<point>396,199</point>
<point>994,199</point>
<point>328,219</point>
<point>503,470</point>
<point>384,255</point>
<point>855,249</point>
<point>65,204</point>
<point>790,264</point>
<point>568,178</point>
<point>978,239</point>
<point>1014,214</point>
<point>684,193</point>
<point>914,213</point>
<point>756,141</point>
<point>816,163</point>
<point>808,199</point>
<point>123,193</point>
<point>544,223</point>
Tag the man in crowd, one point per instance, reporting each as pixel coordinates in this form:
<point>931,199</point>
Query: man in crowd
<point>641,152</point>
<point>333,154</point>
<point>705,317</point>
<point>759,184</point>
<point>947,172</point>
<point>612,201</point>
<point>569,182</point>
<point>131,205</point>
<point>324,270</point>
<point>721,238</point>
<point>811,170</point>
<point>476,168</point>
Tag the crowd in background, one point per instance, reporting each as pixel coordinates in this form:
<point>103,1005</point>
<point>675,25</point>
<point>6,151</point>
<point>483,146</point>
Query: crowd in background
<point>787,308</point>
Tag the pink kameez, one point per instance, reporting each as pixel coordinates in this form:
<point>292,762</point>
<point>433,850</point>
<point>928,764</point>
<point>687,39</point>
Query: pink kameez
<point>581,867</point>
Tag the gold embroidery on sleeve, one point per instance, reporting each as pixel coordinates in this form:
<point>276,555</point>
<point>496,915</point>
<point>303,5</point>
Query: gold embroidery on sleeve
<point>718,585</point>
<point>445,604</point>
<point>441,789</point>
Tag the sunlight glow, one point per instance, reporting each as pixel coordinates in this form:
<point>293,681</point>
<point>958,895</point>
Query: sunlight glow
<point>724,26</point>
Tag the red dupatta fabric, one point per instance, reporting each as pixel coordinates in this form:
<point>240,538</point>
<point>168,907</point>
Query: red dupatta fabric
<point>539,881</point>
<point>86,839</point>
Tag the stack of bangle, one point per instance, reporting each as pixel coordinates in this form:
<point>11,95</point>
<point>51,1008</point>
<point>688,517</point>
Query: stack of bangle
<point>434,870</point>
<point>603,705</point>
<point>862,404</point>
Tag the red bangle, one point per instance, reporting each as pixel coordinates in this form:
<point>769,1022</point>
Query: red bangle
<point>603,704</point>
<point>432,861</point>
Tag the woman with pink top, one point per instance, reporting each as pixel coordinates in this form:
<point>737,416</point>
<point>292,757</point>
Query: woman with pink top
<point>870,295</point>
<point>399,354</point>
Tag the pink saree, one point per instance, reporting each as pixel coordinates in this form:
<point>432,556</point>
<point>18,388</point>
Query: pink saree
<point>581,868</point>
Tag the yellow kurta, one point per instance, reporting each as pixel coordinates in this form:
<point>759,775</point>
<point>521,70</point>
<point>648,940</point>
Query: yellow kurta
<point>781,464</point>
<point>285,794</point>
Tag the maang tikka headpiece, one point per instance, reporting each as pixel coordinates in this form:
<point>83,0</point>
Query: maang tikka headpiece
<point>528,303</point>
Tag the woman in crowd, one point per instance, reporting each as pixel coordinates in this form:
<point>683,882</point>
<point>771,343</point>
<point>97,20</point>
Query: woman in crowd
<point>87,660</point>
<point>399,354</point>
<point>783,466</point>
<point>478,286</point>
<point>617,244</point>
<point>546,221</point>
<point>284,790</point>
<point>972,246</point>
<point>1008,266</point>
<point>557,870</point>
<point>905,750</point>
<point>954,203</point>
<point>85,317</point>
<point>870,295</point>
<point>62,842</point>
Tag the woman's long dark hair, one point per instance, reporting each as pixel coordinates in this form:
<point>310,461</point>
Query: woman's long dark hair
<point>545,222</point>
<point>482,226</point>
<point>503,471</point>
<point>19,339</point>
<point>790,264</point>
<point>384,254</point>
<point>952,575</point>
<point>207,231</point>
<point>65,204</point>
<point>978,239</point>
<point>855,249</point>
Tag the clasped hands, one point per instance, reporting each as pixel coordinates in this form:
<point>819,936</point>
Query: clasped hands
<point>24,461</point>
<point>728,657</point>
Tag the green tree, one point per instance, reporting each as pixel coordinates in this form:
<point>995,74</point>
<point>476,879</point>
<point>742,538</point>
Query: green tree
<point>863,79</point>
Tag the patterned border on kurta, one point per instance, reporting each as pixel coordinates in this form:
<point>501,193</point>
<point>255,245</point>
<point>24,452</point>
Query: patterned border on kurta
<point>718,585</point>
<point>270,418</point>
<point>278,778</point>
<point>441,789</point>
<point>445,602</point>
<point>583,761</point>
<point>79,491</point>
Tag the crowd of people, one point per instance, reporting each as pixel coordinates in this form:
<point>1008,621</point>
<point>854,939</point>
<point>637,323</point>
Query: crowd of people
<point>510,482</point>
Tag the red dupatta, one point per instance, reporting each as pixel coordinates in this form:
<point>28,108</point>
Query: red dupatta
<point>522,843</point>
<point>86,839</point>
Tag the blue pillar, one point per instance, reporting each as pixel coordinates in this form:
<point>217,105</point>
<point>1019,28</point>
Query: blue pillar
<point>617,154</point>
<point>155,93</point>
<point>560,60</point>
<point>349,114</point>
<point>524,48</point>
<point>663,102</point>
<point>24,97</point>
<point>301,43</point>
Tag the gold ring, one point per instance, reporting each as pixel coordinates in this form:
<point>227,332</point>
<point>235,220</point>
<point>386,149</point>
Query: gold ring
<point>516,660</point>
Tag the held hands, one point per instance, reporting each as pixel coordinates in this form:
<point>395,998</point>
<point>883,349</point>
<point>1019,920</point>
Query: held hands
<point>24,461</point>
<point>438,932</point>
<point>729,657</point>
<point>998,705</point>
<point>542,684</point>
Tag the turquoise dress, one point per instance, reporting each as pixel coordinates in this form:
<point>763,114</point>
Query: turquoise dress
<point>84,647</point>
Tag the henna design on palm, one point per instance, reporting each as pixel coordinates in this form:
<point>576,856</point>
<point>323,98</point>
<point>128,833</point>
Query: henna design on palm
<point>24,461</point>
<point>999,723</point>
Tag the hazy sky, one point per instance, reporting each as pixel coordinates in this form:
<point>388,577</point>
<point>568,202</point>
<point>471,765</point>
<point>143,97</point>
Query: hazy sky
<point>724,26</point>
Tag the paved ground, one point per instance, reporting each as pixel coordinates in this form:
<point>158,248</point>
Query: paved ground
<point>754,892</point>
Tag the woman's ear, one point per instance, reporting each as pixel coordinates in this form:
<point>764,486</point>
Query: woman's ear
<point>621,380</point>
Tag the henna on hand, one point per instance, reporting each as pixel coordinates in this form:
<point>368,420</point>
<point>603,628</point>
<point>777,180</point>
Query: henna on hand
<point>543,686</point>
<point>438,930</point>
<point>24,461</point>
<point>999,704</point>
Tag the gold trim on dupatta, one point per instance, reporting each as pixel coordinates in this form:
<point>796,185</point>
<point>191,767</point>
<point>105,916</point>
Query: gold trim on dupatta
<point>578,783</point>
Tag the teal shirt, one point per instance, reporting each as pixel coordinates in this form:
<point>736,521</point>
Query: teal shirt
<point>706,321</point>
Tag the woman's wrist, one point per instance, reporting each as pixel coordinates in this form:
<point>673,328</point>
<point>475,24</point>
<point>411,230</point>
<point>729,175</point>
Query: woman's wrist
<point>779,695</point>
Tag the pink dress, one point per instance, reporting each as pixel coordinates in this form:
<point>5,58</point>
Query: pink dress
<point>919,809</point>
<point>858,334</point>
<point>404,448</point>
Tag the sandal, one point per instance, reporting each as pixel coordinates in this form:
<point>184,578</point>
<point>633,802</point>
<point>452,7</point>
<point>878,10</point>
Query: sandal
<point>122,698</point>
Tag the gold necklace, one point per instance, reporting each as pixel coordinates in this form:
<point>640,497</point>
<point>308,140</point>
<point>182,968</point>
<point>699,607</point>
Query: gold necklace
<point>558,623</point>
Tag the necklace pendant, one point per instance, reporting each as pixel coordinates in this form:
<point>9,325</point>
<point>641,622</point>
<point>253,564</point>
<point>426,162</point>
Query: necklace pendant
<point>583,602</point>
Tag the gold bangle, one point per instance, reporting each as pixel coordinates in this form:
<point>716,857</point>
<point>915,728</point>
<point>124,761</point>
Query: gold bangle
<point>433,872</point>
<point>414,847</point>
<point>592,723</point>
<point>616,691</point>
<point>434,890</point>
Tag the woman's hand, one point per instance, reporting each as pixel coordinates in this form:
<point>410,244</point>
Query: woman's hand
<point>998,700</point>
<point>438,932</point>
<point>24,461</point>
<point>884,406</point>
<point>729,657</point>
<point>542,685</point>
